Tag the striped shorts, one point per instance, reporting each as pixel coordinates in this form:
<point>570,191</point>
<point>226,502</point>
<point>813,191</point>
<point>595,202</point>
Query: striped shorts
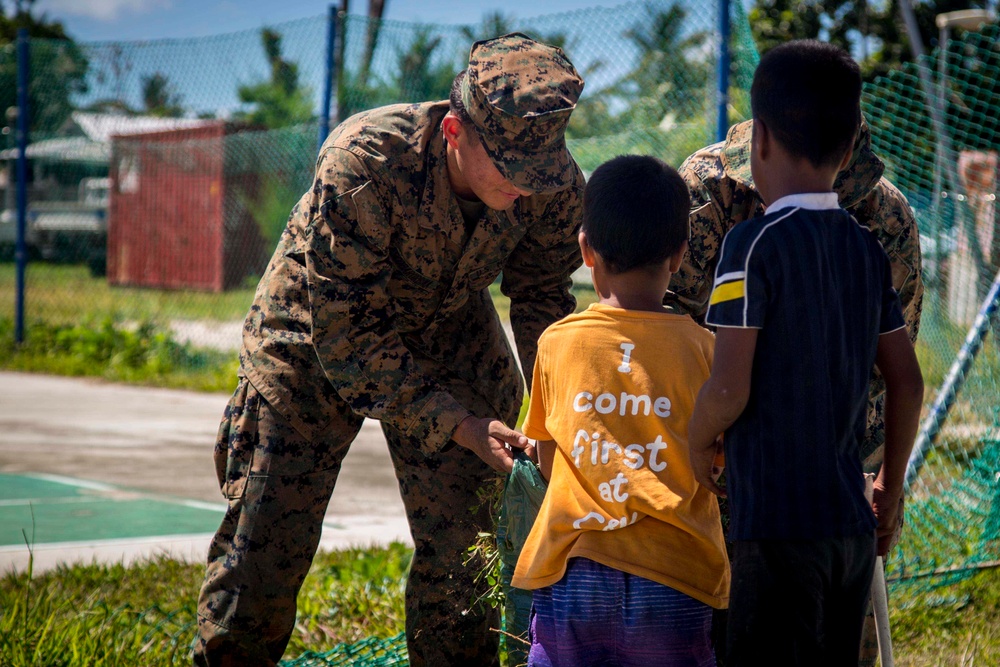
<point>597,615</point>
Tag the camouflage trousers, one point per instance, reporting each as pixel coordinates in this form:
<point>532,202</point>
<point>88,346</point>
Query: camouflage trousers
<point>278,485</point>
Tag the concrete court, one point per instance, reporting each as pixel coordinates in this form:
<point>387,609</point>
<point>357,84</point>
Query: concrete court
<point>70,442</point>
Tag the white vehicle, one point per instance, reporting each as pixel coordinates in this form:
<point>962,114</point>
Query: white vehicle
<point>65,230</point>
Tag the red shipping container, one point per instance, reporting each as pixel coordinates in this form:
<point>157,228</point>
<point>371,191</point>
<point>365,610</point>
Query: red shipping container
<point>179,215</point>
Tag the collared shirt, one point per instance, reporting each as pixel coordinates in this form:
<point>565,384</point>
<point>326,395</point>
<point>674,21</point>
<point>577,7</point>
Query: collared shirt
<point>723,196</point>
<point>818,286</point>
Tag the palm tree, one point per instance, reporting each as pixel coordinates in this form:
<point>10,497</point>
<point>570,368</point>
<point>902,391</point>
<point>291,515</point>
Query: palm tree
<point>672,73</point>
<point>419,79</point>
<point>281,101</point>
<point>159,97</point>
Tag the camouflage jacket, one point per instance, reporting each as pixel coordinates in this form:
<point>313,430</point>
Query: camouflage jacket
<point>377,294</point>
<point>723,195</point>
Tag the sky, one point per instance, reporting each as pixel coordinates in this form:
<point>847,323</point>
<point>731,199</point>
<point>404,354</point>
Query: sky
<point>114,20</point>
<point>207,72</point>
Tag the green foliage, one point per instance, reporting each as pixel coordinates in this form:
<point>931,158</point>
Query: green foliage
<point>494,24</point>
<point>68,294</point>
<point>956,626</point>
<point>280,101</point>
<point>483,555</point>
<point>672,145</point>
<point>668,81</point>
<point>142,354</point>
<point>144,614</point>
<point>351,595</point>
<point>275,197</point>
<point>873,32</point>
<point>99,615</point>
<point>419,80</point>
<point>159,97</point>
<point>58,67</point>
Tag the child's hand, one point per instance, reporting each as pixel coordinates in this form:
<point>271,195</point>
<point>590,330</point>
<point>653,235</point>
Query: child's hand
<point>704,464</point>
<point>888,508</point>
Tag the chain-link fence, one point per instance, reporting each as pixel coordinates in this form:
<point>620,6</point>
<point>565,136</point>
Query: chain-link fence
<point>935,123</point>
<point>163,170</point>
<point>161,174</point>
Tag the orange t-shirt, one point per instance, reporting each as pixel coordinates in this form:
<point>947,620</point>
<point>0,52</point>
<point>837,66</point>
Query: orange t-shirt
<point>615,390</point>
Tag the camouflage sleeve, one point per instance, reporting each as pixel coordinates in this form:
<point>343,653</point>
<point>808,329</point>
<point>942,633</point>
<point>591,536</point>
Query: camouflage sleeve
<point>691,287</point>
<point>538,275</point>
<point>904,253</point>
<point>347,261</point>
<point>887,213</point>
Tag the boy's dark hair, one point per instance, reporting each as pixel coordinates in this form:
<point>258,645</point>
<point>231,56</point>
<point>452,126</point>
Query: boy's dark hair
<point>808,93</point>
<point>635,212</point>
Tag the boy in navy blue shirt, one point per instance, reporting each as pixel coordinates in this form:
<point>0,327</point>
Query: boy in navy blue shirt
<point>804,307</point>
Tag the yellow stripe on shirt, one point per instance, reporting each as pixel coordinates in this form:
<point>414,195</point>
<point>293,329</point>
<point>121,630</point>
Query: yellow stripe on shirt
<point>727,292</point>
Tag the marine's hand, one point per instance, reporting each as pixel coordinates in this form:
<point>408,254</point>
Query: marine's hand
<point>706,468</point>
<point>887,507</point>
<point>491,440</point>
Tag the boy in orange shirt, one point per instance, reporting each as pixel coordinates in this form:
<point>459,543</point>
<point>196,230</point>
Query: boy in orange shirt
<point>626,557</point>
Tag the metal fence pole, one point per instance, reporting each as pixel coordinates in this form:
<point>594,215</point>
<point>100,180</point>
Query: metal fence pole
<point>723,89</point>
<point>953,382</point>
<point>23,115</point>
<point>329,73</point>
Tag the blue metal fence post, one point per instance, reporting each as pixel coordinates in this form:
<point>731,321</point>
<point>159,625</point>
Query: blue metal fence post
<point>329,74</point>
<point>722,123</point>
<point>21,251</point>
<point>931,426</point>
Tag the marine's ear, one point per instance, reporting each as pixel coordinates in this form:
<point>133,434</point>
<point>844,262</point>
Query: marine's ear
<point>452,128</point>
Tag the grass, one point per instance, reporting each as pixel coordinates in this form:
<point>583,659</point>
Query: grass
<point>78,325</point>
<point>144,614</point>
<point>958,625</point>
<point>67,293</point>
<point>117,352</point>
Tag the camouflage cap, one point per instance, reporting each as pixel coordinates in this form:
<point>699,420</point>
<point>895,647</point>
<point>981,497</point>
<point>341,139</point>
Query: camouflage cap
<point>853,182</point>
<point>519,93</point>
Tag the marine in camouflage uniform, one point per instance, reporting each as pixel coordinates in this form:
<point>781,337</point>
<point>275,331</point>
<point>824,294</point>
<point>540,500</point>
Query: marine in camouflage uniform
<point>376,304</point>
<point>723,195</point>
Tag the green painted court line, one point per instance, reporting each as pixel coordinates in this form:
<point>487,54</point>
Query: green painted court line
<point>52,510</point>
<point>16,487</point>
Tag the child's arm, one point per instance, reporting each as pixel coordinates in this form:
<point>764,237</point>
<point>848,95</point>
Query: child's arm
<point>721,399</point>
<point>904,395</point>
<point>546,451</point>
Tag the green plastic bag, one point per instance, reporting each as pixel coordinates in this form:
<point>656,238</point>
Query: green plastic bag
<point>522,497</point>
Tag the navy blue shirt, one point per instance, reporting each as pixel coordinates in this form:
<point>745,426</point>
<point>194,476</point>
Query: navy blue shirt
<point>818,286</point>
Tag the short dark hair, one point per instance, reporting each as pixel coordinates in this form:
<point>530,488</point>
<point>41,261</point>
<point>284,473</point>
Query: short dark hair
<point>455,103</point>
<point>635,212</point>
<point>808,93</point>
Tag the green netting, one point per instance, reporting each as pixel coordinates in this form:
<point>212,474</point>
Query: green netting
<point>370,652</point>
<point>935,124</point>
<point>162,173</point>
<point>523,492</point>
